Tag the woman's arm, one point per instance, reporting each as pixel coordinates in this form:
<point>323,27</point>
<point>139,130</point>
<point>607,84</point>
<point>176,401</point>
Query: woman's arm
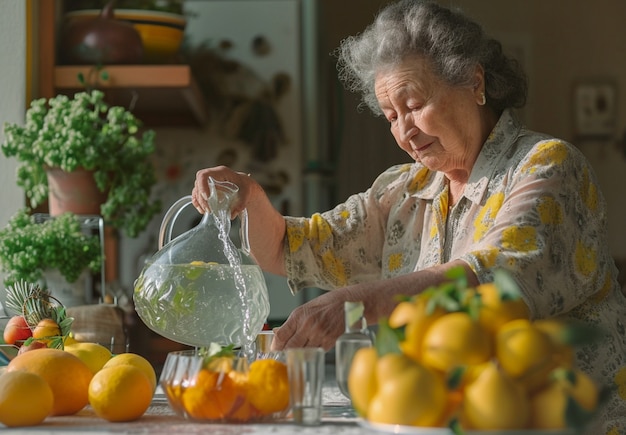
<point>319,322</point>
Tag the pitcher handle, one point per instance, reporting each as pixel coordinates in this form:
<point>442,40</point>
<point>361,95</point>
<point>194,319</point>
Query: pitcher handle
<point>165,232</point>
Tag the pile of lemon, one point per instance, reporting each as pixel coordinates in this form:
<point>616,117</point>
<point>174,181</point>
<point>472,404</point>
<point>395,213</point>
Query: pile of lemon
<point>44,382</point>
<point>469,358</point>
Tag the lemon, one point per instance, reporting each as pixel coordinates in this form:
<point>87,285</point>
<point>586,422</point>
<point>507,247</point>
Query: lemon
<point>67,376</point>
<point>135,360</point>
<point>548,405</point>
<point>362,379</point>
<point>495,401</point>
<point>94,355</point>
<point>402,314</point>
<point>25,399</point>
<point>408,393</point>
<point>455,339</point>
<point>496,311</point>
<point>417,320</point>
<point>525,352</point>
<point>556,330</point>
<point>120,393</point>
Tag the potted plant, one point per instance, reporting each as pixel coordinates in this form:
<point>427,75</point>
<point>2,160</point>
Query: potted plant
<point>84,135</point>
<point>29,249</point>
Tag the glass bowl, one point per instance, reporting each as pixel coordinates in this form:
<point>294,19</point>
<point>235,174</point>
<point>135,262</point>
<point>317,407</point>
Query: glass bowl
<point>225,389</point>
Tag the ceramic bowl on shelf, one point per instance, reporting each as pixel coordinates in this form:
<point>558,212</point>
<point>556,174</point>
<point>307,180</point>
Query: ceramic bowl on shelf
<point>161,32</point>
<point>224,390</point>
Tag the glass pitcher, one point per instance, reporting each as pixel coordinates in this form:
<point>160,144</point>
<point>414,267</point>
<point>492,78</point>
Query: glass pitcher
<point>200,288</point>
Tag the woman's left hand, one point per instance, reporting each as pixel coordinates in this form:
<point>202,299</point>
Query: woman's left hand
<point>317,323</point>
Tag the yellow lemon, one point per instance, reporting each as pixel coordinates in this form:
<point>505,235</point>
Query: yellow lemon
<point>556,330</point>
<point>402,314</point>
<point>94,355</point>
<point>455,339</point>
<point>135,360</point>
<point>525,352</point>
<point>67,376</point>
<point>25,399</point>
<point>416,325</point>
<point>362,382</point>
<point>494,401</point>
<point>69,339</point>
<point>408,393</point>
<point>548,405</point>
<point>495,311</point>
<point>120,393</point>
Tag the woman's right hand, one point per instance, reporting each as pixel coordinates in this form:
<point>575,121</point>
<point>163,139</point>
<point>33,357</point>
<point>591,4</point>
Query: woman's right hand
<point>266,226</point>
<point>201,190</point>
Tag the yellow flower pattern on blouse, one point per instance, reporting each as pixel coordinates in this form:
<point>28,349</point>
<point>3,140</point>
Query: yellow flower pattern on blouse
<point>530,206</point>
<point>588,191</point>
<point>585,259</point>
<point>335,268</point>
<point>419,180</point>
<point>487,257</point>
<point>548,153</point>
<point>550,211</point>
<point>487,214</point>
<point>522,238</point>
<point>395,261</point>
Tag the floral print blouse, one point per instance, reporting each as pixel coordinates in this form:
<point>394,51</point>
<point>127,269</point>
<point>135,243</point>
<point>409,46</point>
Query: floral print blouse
<point>531,206</point>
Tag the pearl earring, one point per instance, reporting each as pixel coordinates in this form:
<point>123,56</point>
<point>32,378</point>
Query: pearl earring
<point>484,99</point>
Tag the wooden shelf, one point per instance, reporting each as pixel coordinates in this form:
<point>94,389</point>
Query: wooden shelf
<point>158,94</point>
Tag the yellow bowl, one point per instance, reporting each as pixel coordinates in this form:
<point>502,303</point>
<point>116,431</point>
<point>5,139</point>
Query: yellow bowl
<point>161,33</point>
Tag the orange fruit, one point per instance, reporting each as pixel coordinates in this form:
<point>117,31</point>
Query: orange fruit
<point>135,360</point>
<point>46,328</point>
<point>268,385</point>
<point>243,410</point>
<point>93,354</point>
<point>120,393</point>
<point>25,399</point>
<point>67,376</point>
<point>211,397</point>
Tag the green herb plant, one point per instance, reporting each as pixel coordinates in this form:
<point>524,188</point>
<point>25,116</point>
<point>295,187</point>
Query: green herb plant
<point>85,132</point>
<point>28,248</point>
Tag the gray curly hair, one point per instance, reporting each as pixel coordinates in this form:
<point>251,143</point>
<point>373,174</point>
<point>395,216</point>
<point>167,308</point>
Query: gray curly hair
<point>451,43</point>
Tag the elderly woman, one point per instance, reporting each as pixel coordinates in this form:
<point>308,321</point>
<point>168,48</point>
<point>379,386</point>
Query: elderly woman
<point>483,193</point>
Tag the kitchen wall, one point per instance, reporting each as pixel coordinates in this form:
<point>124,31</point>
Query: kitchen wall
<point>12,98</point>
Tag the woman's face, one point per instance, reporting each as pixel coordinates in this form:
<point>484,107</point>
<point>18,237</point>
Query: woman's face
<point>436,124</point>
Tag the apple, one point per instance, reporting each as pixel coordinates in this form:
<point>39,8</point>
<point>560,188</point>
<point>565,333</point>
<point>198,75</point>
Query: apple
<point>33,345</point>
<point>16,330</point>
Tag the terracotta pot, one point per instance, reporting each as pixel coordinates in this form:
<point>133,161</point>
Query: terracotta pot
<point>75,192</point>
